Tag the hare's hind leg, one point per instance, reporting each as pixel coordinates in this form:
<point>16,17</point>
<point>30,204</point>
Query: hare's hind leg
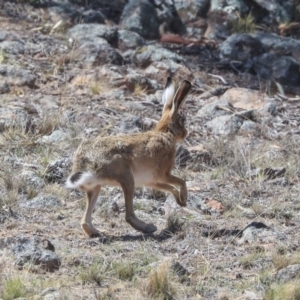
<point>127,185</point>
<point>173,180</point>
<point>86,221</point>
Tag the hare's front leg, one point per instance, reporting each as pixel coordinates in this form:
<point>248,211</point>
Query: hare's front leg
<point>173,180</point>
<point>86,221</point>
<point>127,184</point>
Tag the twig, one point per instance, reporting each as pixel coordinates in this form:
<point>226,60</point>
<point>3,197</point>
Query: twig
<point>219,77</point>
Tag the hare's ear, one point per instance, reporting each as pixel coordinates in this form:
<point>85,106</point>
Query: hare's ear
<point>168,94</point>
<point>180,96</point>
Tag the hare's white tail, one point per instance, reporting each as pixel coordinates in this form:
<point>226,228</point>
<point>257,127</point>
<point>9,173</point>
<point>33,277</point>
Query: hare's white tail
<point>86,180</point>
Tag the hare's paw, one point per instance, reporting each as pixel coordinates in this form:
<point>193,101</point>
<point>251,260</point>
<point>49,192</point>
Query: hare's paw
<point>183,196</point>
<point>149,228</point>
<point>90,230</point>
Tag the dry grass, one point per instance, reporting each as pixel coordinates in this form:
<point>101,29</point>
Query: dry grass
<point>159,285</point>
<point>286,291</point>
<point>282,261</point>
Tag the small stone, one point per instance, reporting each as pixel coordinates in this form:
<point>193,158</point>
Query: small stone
<point>42,201</point>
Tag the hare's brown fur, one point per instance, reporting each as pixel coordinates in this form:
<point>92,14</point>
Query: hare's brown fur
<point>143,159</point>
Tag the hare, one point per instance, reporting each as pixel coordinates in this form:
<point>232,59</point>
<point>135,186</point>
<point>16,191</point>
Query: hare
<point>143,159</point>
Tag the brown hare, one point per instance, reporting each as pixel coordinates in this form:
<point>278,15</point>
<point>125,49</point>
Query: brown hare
<point>143,159</point>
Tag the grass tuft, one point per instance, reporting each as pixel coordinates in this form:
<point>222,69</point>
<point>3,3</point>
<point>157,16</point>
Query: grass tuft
<point>124,270</point>
<point>13,288</point>
<point>286,291</point>
<point>93,274</point>
<point>243,25</point>
<point>158,285</point>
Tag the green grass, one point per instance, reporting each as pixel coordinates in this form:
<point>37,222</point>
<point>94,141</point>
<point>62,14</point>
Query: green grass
<point>243,24</point>
<point>13,288</point>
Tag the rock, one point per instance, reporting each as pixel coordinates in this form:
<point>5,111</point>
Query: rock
<point>94,33</point>
<point>93,16</point>
<point>169,18</point>
<point>12,47</point>
<point>275,10</point>
<point>250,128</point>
<point>14,118</point>
<point>4,87</point>
<point>31,179</point>
<point>140,16</point>
<point>57,170</point>
<point>260,233</point>
<point>289,273</point>
<point>219,24</point>
<point>129,40</point>
<point>249,295</point>
<point>97,54</point>
<point>55,137</point>
<point>182,156</point>
<point>225,125</point>
<point>191,9</point>
<point>28,251</point>
<point>160,70</point>
<point>283,69</point>
<point>244,98</point>
<point>241,47</point>
<point>132,81</point>
<point>146,55</point>
<point>50,294</point>
<point>16,76</point>
<point>64,13</point>
<point>179,269</point>
<point>42,201</point>
<point>282,46</point>
<point>214,109</point>
<point>233,5</point>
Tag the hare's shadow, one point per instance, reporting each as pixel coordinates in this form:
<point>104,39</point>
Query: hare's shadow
<point>165,234</point>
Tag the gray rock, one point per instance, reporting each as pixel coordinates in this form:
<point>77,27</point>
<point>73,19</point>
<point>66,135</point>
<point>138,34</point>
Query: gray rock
<point>55,137</point>
<point>42,201</point>
<point>93,16</point>
<point>12,47</point>
<point>57,170</point>
<point>191,9</point>
<point>225,125</point>
<point>250,128</point>
<point>260,233</point>
<point>289,273</point>
<point>129,40</point>
<point>32,179</point>
<point>234,5</point>
<point>97,54</point>
<point>146,55</point>
<point>28,251</point>
<point>212,109</point>
<point>169,18</point>
<point>241,47</point>
<point>94,33</point>
<point>279,11</point>
<point>4,87</point>
<point>14,118</point>
<point>140,16</point>
<point>17,76</point>
<point>279,45</point>
<point>283,69</point>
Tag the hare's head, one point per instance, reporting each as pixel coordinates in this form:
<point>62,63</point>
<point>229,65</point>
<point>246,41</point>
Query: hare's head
<point>173,119</point>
